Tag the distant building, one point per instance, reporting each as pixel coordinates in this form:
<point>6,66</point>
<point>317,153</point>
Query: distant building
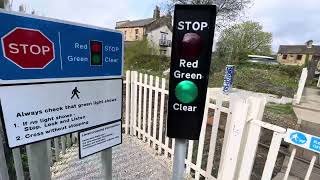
<point>298,54</point>
<point>157,30</point>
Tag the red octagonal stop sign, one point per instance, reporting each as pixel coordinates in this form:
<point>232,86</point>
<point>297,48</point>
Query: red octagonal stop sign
<point>28,48</point>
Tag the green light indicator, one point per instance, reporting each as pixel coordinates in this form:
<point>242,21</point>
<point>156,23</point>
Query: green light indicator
<point>186,91</point>
<point>96,59</point>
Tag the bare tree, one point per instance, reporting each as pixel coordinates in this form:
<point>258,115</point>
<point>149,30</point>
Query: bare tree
<point>228,10</point>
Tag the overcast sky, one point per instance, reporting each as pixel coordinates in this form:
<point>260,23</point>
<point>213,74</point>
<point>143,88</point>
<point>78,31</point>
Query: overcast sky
<point>290,21</point>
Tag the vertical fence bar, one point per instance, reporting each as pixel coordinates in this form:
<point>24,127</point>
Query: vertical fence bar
<point>272,155</point>
<point>139,105</point>
<point>18,163</point>
<point>3,165</point>
<point>310,168</point>
<point>38,161</point>
<point>49,151</point>
<point>132,103</point>
<point>144,114</point>
<point>189,156</point>
<point>293,153</point>
<point>213,137</point>
<point>155,112</point>
<point>239,110</point>
<point>128,85</point>
<point>163,88</point>
<point>135,95</point>
<point>250,138</point>
<point>202,138</point>
<point>150,108</point>
<point>56,148</point>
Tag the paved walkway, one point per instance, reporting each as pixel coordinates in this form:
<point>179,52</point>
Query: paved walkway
<point>132,159</point>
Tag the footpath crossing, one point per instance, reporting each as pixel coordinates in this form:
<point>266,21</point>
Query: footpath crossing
<point>133,159</point>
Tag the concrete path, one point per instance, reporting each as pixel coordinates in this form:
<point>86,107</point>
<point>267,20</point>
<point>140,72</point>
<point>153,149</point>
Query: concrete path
<point>133,159</point>
<point>309,107</point>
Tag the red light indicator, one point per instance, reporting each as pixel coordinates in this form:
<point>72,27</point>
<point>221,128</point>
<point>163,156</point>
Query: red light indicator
<point>191,46</point>
<point>96,47</point>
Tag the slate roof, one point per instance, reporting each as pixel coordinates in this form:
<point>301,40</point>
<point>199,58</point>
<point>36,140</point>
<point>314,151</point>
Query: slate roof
<point>150,23</point>
<point>136,23</point>
<point>298,49</point>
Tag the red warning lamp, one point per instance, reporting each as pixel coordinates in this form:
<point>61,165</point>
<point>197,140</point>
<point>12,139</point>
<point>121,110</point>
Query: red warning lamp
<point>191,46</point>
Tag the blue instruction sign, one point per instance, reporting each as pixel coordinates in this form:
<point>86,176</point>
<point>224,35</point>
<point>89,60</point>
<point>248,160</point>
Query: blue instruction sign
<point>42,49</point>
<point>303,140</point>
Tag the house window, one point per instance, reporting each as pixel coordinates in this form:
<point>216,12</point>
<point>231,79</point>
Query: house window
<point>163,52</point>
<point>299,57</point>
<point>137,34</point>
<point>125,35</point>
<point>284,56</point>
<point>163,36</point>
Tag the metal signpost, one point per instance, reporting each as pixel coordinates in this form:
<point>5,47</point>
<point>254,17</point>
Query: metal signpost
<point>193,32</point>
<point>57,78</point>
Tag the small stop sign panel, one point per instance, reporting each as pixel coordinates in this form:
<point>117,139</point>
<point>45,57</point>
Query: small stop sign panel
<point>28,48</point>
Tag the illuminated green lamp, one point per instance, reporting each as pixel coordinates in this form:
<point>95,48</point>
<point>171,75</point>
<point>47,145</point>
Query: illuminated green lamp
<point>186,91</point>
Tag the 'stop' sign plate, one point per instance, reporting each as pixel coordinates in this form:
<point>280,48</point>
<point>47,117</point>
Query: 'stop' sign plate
<point>41,49</point>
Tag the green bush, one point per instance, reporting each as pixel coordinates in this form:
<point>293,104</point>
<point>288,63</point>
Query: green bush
<point>292,71</point>
<point>142,56</point>
<point>264,80</point>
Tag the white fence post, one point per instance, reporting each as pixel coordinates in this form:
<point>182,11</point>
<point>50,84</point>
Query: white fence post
<point>144,114</point>
<point>318,85</point>
<point>251,137</point>
<point>239,111</point>
<point>150,108</point>
<point>155,113</point>
<point>302,83</point>
<point>163,88</point>
<point>139,105</point>
<point>128,85</point>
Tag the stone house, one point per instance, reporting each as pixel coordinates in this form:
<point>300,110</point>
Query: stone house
<point>157,30</point>
<point>298,54</point>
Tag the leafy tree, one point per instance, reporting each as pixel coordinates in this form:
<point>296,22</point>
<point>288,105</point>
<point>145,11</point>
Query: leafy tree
<point>228,10</point>
<point>238,41</point>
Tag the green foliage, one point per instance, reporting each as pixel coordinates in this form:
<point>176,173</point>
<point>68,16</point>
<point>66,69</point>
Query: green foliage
<point>142,56</point>
<point>280,109</point>
<point>289,70</point>
<point>240,40</point>
<point>279,81</point>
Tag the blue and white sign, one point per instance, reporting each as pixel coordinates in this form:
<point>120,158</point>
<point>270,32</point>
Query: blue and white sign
<point>69,50</point>
<point>303,140</point>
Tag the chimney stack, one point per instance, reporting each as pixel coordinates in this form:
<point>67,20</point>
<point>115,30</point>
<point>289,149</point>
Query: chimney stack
<point>156,13</point>
<point>309,43</point>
